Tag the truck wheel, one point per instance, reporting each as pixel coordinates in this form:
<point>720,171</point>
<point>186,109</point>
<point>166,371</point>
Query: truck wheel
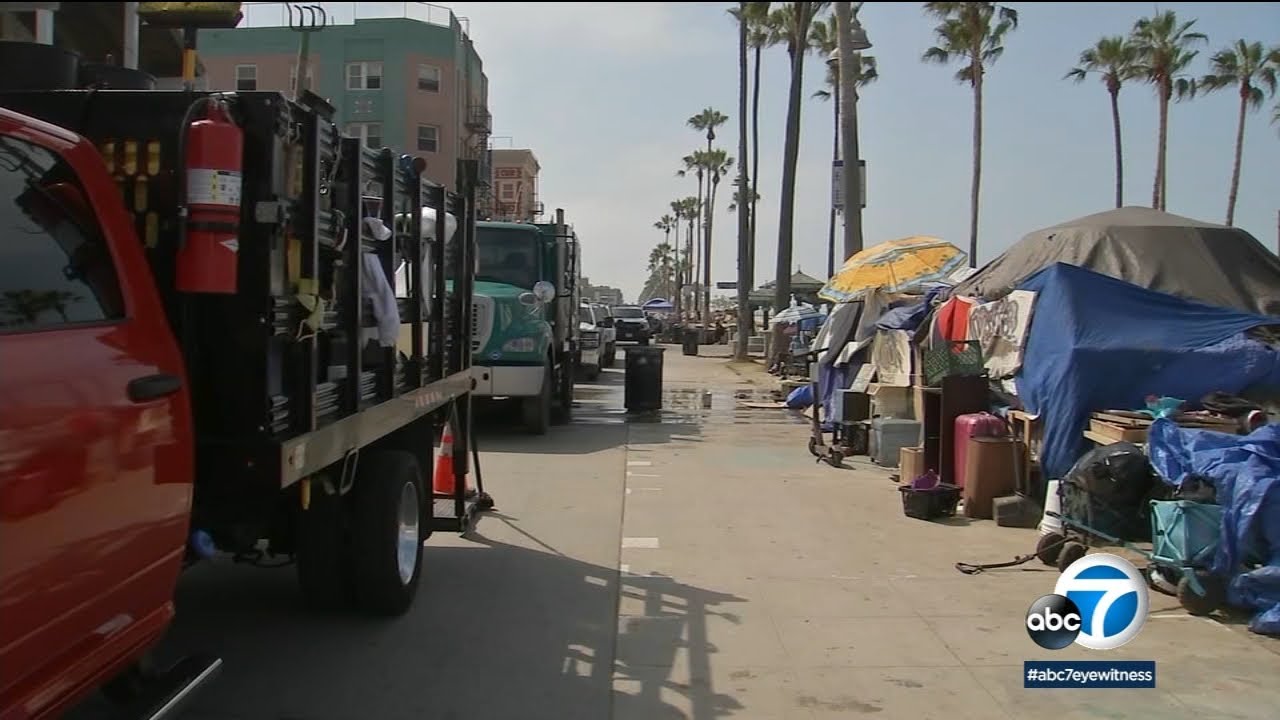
<point>323,551</point>
<point>537,409</point>
<point>387,532</point>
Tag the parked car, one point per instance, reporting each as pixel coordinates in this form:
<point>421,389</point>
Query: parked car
<point>631,324</point>
<point>608,334</point>
<point>591,351</point>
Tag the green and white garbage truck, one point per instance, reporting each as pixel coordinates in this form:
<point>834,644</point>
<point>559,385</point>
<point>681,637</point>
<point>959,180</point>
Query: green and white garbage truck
<point>525,333</point>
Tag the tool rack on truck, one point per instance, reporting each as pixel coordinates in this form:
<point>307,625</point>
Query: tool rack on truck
<point>313,430</point>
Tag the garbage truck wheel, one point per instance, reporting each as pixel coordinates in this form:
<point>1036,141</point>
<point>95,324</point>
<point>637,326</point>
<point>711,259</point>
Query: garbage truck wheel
<point>537,409</point>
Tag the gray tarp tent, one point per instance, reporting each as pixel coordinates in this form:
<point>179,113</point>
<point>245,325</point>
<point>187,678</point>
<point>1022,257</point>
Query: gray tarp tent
<point>1214,264</point>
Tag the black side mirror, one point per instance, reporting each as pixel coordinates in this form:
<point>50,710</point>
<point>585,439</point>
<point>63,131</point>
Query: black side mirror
<point>607,322</point>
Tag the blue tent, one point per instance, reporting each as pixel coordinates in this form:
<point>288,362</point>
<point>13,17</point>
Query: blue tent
<point>1097,343</point>
<point>659,304</point>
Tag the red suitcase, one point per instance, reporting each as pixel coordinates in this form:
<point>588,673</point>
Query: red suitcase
<point>970,426</point>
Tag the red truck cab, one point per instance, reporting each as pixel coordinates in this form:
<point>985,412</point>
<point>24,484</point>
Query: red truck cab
<point>96,445</point>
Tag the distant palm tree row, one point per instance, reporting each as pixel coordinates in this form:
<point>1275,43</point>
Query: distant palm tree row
<point>1159,50</point>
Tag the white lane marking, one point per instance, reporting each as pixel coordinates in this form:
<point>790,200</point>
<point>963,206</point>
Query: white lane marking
<point>643,475</point>
<point>640,543</point>
<point>638,463</point>
<point>651,489</point>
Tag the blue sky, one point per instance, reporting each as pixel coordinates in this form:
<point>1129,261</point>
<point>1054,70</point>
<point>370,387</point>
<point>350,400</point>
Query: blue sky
<point>601,92</point>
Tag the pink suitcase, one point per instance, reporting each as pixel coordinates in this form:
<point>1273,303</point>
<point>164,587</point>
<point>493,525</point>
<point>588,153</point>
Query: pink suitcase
<point>970,426</point>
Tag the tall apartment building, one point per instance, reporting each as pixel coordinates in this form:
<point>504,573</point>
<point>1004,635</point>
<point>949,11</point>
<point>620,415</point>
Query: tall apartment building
<point>413,82</point>
<point>515,186</point>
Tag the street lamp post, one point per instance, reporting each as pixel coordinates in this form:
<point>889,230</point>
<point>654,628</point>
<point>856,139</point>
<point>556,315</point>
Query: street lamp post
<point>852,40</point>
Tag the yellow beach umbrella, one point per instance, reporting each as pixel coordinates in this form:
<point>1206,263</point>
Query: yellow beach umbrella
<point>893,266</point>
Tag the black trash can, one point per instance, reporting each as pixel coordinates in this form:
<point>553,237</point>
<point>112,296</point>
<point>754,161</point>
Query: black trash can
<point>644,378</point>
<point>691,341</point>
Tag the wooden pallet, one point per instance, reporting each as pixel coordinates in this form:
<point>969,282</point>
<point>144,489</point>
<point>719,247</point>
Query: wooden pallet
<point>1131,426</point>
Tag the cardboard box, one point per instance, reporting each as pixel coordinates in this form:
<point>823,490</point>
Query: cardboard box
<point>894,402</point>
<point>911,464</point>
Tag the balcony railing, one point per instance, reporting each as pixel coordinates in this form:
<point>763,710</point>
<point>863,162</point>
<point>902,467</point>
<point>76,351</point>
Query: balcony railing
<point>276,14</point>
<point>479,119</point>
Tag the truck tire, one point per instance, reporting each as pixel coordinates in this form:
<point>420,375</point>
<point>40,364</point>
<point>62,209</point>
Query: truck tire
<point>323,551</point>
<point>387,531</point>
<point>537,409</point>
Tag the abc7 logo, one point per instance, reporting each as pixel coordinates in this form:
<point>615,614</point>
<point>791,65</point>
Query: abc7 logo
<point>1100,602</point>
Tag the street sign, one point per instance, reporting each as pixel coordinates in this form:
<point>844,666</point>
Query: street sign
<point>730,285</point>
<point>837,183</point>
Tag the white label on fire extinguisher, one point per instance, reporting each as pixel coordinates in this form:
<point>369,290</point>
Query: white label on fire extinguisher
<point>213,187</point>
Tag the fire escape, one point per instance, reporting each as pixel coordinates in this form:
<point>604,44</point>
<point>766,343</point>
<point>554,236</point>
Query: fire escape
<point>480,123</point>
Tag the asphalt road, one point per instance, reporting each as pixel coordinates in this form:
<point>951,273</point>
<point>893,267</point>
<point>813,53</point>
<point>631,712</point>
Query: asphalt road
<point>514,620</point>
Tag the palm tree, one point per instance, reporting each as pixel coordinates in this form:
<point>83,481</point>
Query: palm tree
<point>743,184</point>
<point>1163,45</point>
<point>677,210</point>
<point>1115,60</point>
<point>718,164</point>
<point>666,224</point>
<point>825,40</point>
<point>693,163</point>
<point>793,21</point>
<point>971,33</point>
<point>689,209</point>
<point>707,121</point>
<point>1253,70</point>
<point>759,35</point>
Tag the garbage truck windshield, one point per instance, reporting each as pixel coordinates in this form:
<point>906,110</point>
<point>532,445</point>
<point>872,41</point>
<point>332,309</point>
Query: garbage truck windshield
<point>507,256</point>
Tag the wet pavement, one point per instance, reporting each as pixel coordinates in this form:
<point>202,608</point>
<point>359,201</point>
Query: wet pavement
<point>691,563</point>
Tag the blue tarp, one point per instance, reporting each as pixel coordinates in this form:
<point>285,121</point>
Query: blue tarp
<point>908,316</point>
<point>1245,472</point>
<point>1098,343</point>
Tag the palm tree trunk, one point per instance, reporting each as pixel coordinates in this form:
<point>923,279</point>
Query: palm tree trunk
<point>1235,169</point>
<point>835,155</point>
<point>744,212</point>
<point>977,169</point>
<point>1157,195</point>
<point>706,243</point>
<point>697,262</point>
<point>688,271</point>
<point>1115,123</point>
<point>755,174</point>
<point>787,199</point>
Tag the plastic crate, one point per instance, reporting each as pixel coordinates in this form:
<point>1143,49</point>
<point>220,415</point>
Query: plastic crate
<point>963,358</point>
<point>928,504</point>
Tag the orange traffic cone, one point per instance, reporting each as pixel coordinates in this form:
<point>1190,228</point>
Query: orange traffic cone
<point>442,480</point>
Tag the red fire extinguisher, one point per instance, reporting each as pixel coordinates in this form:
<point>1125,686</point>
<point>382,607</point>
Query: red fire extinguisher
<point>208,256</point>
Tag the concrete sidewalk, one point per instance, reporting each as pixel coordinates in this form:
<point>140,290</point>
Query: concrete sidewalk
<point>758,584</point>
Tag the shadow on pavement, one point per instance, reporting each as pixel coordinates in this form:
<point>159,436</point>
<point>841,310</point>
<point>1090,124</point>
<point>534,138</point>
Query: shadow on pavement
<point>498,631</point>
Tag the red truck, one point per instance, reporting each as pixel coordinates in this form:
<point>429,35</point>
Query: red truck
<point>203,349</point>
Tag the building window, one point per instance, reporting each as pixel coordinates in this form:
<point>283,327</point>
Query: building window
<point>370,134</point>
<point>364,76</point>
<point>55,266</point>
<point>429,78</point>
<point>428,138</point>
<point>246,78</point>
<point>508,191</point>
